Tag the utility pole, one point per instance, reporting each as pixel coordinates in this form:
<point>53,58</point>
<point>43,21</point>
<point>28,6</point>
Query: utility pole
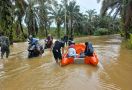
<point>66,3</point>
<point>65,19</point>
<point>65,15</point>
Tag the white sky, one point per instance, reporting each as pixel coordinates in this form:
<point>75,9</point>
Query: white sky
<point>89,4</point>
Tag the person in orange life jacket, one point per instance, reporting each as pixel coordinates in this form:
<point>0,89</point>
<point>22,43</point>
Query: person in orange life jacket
<point>56,50</point>
<point>72,51</point>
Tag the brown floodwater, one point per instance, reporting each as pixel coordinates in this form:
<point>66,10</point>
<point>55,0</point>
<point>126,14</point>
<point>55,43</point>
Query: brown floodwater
<point>114,71</point>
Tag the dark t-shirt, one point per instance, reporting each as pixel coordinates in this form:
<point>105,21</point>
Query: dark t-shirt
<point>4,41</point>
<point>58,45</point>
<point>89,49</point>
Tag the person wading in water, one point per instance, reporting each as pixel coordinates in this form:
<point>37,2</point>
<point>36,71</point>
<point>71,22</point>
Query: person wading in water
<point>4,43</point>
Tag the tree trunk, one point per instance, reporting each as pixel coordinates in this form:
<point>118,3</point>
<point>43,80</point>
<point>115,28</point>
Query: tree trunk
<point>36,27</point>
<point>67,29</point>
<point>11,37</point>
<point>17,30</point>
<point>41,31</point>
<point>22,29</point>
<point>71,27</point>
<point>29,30</point>
<point>126,18</point>
<point>46,32</point>
<point>127,35</point>
<point>58,30</point>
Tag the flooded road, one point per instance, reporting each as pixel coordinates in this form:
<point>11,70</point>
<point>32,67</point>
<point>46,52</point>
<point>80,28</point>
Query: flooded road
<point>113,72</point>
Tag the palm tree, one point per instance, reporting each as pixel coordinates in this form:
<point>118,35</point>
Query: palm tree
<point>78,24</point>
<point>6,18</point>
<point>122,7</point>
<point>65,4</point>
<point>43,12</point>
<point>57,14</point>
<point>90,15</point>
<point>31,19</point>
<point>20,6</point>
<point>73,13</point>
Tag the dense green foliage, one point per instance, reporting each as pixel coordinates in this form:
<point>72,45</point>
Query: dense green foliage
<point>102,31</point>
<point>122,8</point>
<point>20,18</point>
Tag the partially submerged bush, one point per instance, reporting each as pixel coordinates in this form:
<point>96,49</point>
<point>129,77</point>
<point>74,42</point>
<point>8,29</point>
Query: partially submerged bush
<point>102,31</point>
<point>129,42</point>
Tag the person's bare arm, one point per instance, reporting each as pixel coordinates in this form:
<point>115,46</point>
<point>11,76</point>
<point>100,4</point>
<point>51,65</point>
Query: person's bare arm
<point>62,50</point>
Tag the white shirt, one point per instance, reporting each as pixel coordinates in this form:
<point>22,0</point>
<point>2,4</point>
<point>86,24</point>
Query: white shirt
<point>72,52</point>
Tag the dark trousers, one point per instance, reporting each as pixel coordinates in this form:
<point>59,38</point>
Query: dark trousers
<point>5,50</point>
<point>57,54</point>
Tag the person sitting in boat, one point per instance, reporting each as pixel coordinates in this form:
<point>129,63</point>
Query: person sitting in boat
<point>57,50</point>
<point>72,51</point>
<point>89,50</point>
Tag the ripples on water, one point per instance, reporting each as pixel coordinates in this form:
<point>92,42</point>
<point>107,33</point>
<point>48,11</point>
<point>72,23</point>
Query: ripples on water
<point>42,73</point>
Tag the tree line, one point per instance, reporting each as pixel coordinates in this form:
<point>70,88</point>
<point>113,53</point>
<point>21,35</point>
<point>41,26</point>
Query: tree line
<point>38,15</point>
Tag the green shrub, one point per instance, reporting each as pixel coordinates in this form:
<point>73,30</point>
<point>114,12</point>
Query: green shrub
<point>54,33</point>
<point>129,42</point>
<point>101,31</point>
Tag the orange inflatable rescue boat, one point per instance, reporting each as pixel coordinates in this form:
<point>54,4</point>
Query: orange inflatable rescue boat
<point>93,60</point>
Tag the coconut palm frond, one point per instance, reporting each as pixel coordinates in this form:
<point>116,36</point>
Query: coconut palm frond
<point>106,4</point>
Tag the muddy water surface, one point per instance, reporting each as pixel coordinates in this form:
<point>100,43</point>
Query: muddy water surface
<point>114,71</point>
